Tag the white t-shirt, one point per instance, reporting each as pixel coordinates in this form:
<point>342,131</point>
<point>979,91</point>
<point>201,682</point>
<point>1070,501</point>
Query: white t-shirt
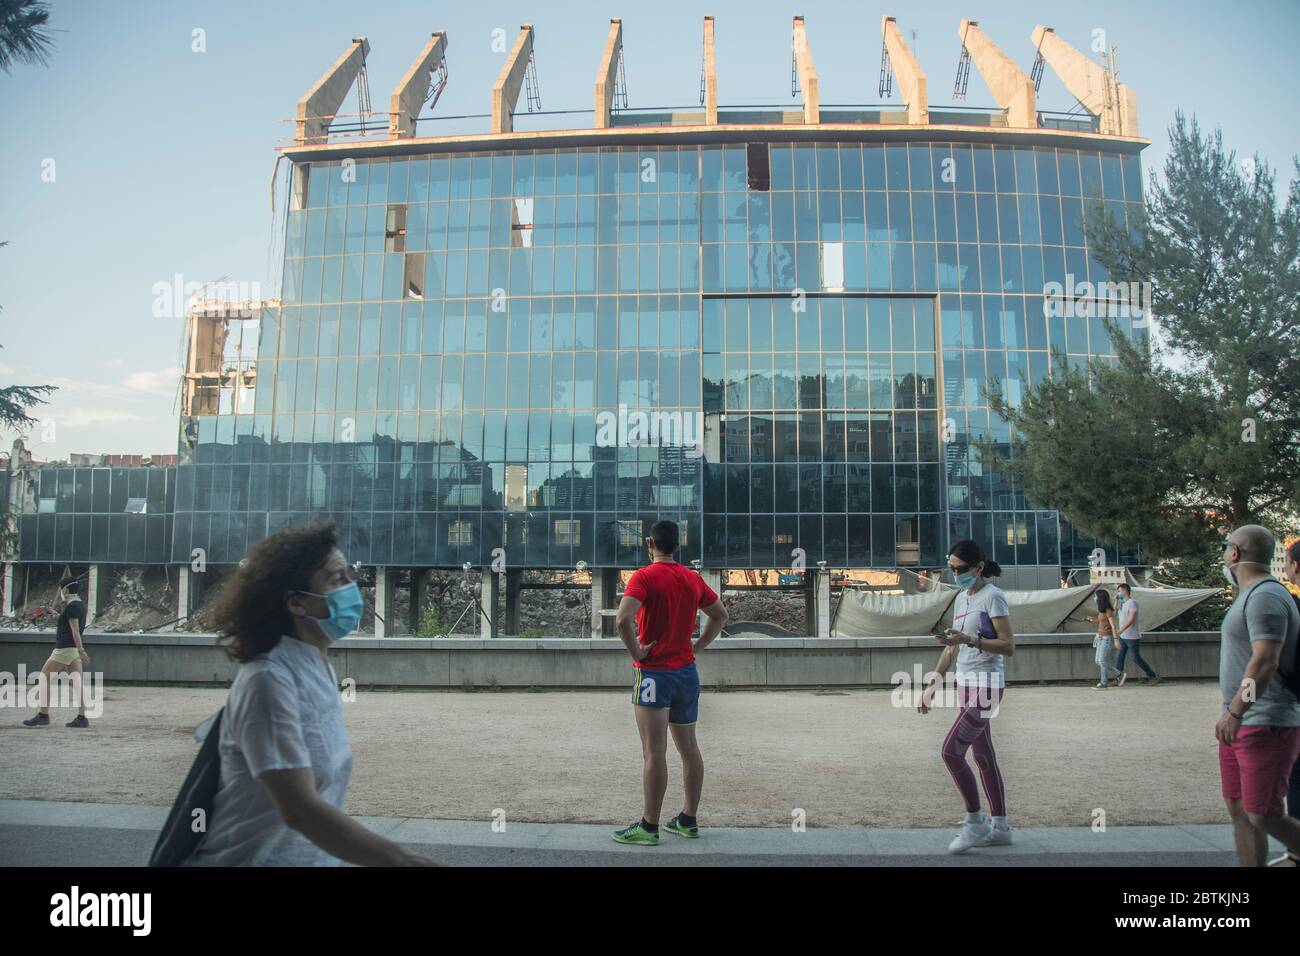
<point>283,713</point>
<point>979,668</point>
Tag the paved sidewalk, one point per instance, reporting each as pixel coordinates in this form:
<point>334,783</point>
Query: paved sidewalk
<point>43,833</point>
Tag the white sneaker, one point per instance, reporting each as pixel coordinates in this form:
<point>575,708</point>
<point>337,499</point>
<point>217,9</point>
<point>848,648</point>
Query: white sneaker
<point>997,836</point>
<point>971,834</point>
<point>1122,678</point>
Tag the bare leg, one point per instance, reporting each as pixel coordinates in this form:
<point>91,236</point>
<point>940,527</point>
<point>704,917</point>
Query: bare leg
<point>43,685</point>
<point>652,723</point>
<point>77,683</point>
<point>1252,843</point>
<point>1282,828</point>
<point>692,766</point>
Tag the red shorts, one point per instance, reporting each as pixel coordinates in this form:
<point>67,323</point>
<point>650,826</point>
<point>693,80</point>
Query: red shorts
<point>1256,767</point>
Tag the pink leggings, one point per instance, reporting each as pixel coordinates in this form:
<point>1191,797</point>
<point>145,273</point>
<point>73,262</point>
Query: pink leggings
<point>970,731</point>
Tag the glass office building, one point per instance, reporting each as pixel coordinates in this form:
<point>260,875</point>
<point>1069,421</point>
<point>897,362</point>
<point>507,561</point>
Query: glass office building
<point>453,325</point>
<point>819,310</point>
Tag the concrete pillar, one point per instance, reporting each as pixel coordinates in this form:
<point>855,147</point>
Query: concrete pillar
<point>383,602</point>
<point>710,76</point>
<point>99,588</point>
<point>514,580</point>
<point>807,73</point>
<point>1112,102</point>
<point>185,590</point>
<point>419,592</point>
<point>604,598</point>
<point>912,83</point>
<point>505,92</point>
<point>490,599</point>
<point>607,75</point>
<point>10,604</point>
<point>1010,86</point>
<point>408,96</point>
<point>823,604</point>
<point>713,578</point>
<point>319,105</point>
<point>810,603</point>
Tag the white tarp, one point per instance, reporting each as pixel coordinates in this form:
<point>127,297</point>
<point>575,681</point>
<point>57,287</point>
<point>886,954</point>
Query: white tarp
<point>1156,606</point>
<point>871,614</point>
<point>1040,612</point>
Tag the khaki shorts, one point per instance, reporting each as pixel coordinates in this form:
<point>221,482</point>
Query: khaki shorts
<point>65,655</point>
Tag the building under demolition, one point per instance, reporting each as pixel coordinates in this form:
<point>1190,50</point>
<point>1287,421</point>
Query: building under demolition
<point>516,350</point>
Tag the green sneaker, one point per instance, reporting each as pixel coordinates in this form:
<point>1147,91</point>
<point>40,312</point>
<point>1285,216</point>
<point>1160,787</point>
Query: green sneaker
<point>675,826</point>
<point>636,835</point>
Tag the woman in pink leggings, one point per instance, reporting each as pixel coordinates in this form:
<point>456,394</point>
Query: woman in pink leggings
<point>980,640</point>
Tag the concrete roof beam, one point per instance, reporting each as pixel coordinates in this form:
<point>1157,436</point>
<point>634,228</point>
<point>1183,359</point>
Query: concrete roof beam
<point>1010,85</point>
<point>320,104</point>
<point>710,75</point>
<point>912,84</point>
<point>409,95</point>
<point>505,92</point>
<point>1088,83</point>
<point>807,72</point>
<point>607,75</point>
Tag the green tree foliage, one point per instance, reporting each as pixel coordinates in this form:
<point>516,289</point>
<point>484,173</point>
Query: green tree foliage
<point>1200,431</point>
<point>24,36</point>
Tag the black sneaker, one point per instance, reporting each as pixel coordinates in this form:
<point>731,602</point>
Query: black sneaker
<point>40,720</point>
<point>79,721</point>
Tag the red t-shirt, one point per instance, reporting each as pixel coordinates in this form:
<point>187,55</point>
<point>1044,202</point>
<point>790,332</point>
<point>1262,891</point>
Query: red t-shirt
<point>670,594</point>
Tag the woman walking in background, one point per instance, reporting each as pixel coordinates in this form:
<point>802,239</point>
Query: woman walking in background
<point>980,640</point>
<point>1107,640</point>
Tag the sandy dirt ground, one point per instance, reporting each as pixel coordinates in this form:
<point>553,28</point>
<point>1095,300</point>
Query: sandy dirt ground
<point>1144,755</point>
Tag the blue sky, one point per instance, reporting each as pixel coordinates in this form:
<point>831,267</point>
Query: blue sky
<point>163,157</point>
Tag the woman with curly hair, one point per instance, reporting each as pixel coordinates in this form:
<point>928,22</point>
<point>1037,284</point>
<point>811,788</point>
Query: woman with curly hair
<point>285,757</point>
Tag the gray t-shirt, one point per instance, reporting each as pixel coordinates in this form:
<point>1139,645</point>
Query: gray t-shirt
<point>1128,621</point>
<point>1270,616</point>
<point>284,713</point>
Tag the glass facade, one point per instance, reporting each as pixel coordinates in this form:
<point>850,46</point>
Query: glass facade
<point>453,327</point>
<point>100,515</point>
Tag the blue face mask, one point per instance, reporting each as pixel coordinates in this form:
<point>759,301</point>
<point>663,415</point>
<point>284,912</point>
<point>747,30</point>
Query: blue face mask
<point>965,580</point>
<point>345,606</point>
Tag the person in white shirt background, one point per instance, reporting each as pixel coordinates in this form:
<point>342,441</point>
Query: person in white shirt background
<point>1130,635</point>
<point>979,642</point>
<point>285,757</point>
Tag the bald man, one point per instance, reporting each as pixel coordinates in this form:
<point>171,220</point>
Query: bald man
<point>1259,730</point>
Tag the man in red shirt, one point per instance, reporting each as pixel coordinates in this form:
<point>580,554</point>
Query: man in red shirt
<point>664,597</point>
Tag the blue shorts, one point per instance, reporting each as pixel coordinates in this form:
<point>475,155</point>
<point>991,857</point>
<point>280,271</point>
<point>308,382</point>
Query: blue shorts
<point>677,690</point>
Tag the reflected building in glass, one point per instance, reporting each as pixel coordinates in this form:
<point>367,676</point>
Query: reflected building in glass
<point>816,308</point>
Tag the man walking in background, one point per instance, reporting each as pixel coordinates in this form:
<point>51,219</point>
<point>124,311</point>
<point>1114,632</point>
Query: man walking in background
<point>664,598</point>
<point>1130,635</point>
<point>1259,730</point>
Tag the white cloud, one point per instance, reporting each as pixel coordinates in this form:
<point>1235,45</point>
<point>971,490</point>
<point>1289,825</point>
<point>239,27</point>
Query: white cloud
<point>78,416</point>
<point>161,382</point>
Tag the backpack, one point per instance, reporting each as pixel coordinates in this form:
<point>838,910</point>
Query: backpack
<point>178,840</point>
<point>1291,675</point>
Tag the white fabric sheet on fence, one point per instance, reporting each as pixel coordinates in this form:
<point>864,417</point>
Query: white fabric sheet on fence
<point>870,614</point>
<point>1156,606</point>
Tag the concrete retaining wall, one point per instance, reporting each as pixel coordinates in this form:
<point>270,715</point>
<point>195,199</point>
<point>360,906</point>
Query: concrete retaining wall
<point>578,662</point>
